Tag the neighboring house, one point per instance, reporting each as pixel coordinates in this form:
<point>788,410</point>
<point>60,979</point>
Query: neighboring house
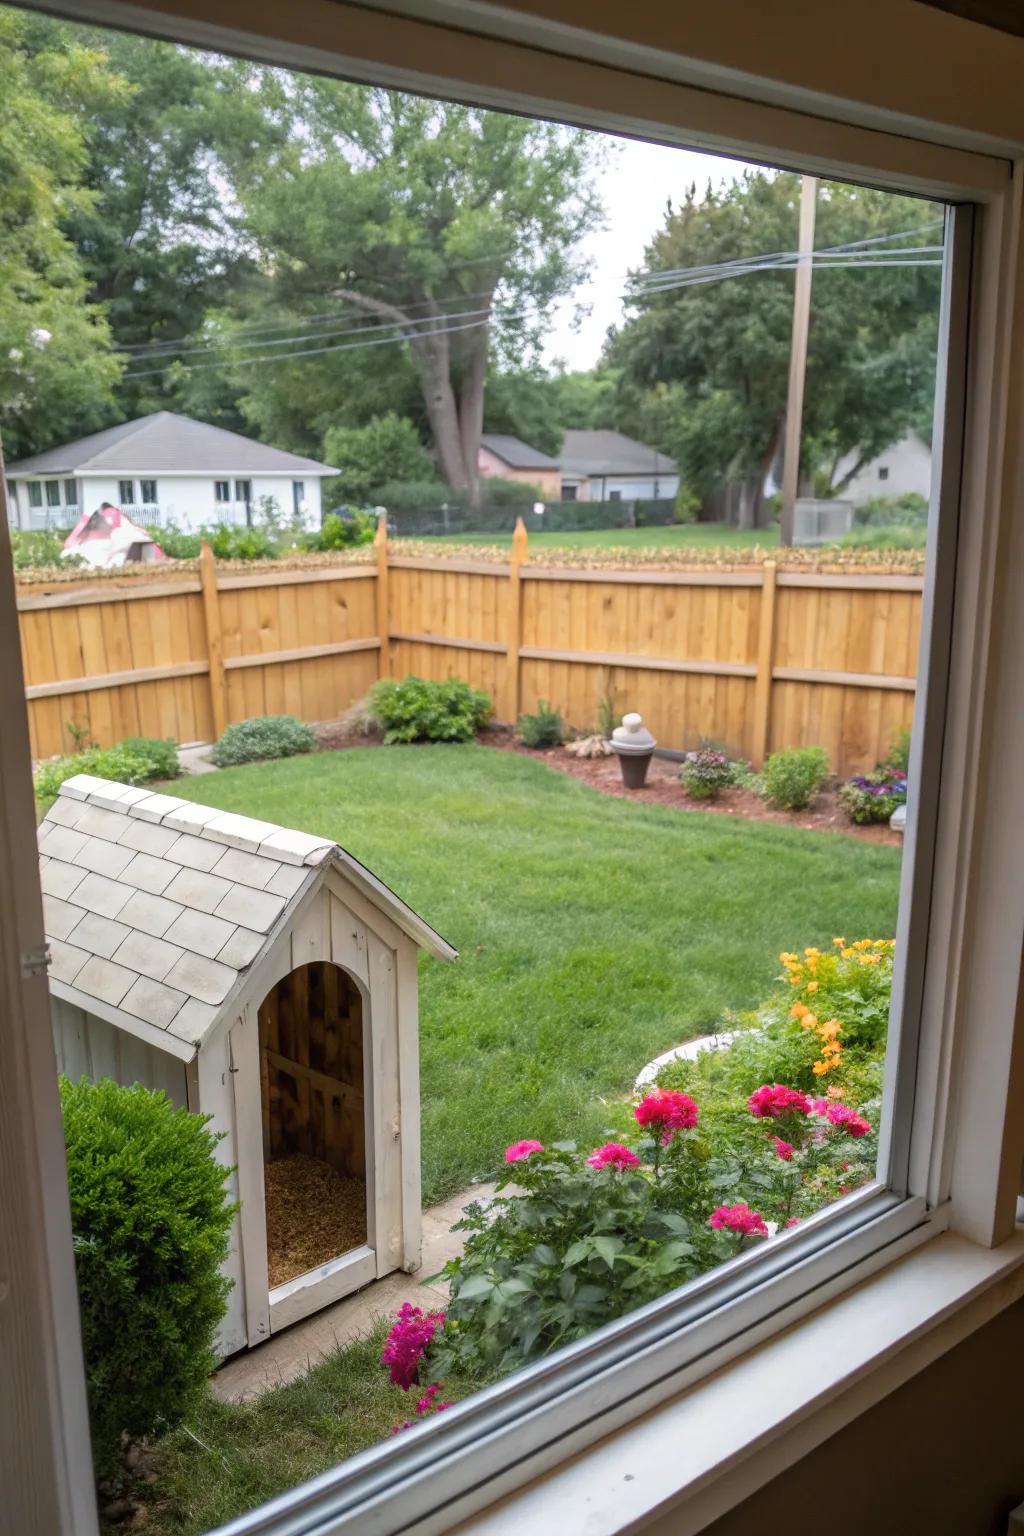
<point>504,457</point>
<point>608,466</point>
<point>163,469</point>
<point>906,466</point>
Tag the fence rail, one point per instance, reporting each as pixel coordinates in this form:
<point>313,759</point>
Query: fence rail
<point>756,658</point>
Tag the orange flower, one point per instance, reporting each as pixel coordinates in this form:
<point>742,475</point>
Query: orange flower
<point>812,986</point>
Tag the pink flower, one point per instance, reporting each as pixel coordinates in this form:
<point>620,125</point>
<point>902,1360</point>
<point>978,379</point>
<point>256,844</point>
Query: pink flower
<point>845,1118</point>
<point>738,1218</point>
<point>427,1404</point>
<point>784,1149</point>
<point>772,1100</point>
<point>794,1221</point>
<point>406,1344</point>
<point>667,1110</point>
<point>520,1149</point>
<point>613,1155</point>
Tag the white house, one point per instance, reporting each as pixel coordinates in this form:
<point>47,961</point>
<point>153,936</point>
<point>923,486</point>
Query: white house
<point>905,467</point>
<point>609,466</point>
<point>163,469</point>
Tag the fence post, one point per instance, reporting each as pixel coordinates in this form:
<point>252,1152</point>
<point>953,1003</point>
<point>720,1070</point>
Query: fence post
<point>765,658</point>
<point>380,548</point>
<point>214,644</point>
<point>514,632</point>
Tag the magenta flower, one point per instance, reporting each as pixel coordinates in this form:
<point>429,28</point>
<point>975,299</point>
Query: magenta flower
<point>667,1110</point>
<point>738,1218</point>
<point>520,1149</point>
<point>407,1342</point>
<point>772,1100</point>
<point>613,1155</point>
<point>841,1116</point>
<point>784,1149</point>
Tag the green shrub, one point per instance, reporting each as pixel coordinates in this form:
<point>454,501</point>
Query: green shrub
<point>792,778</point>
<point>882,538</point>
<point>417,710</point>
<point>899,751</point>
<point>242,543</point>
<point>341,532</point>
<point>262,737</point>
<point>871,797</point>
<point>39,546</point>
<point>687,504</point>
<point>150,1221</point>
<point>138,760</point>
<point>908,510</point>
<point>544,729</point>
<point>706,773</point>
<point>176,543</point>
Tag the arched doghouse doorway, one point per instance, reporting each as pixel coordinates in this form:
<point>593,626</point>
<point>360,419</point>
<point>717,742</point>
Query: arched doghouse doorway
<point>312,1078</point>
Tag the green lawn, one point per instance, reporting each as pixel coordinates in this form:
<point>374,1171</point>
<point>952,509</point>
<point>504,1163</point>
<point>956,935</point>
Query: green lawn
<point>593,933</point>
<point>689,536</point>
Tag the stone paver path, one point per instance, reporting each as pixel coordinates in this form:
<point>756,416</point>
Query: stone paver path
<point>288,1355</point>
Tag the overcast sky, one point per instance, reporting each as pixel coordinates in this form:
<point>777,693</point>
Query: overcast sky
<point>635,186</point>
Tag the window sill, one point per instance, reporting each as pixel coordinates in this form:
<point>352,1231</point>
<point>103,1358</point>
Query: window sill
<point>708,1449</point>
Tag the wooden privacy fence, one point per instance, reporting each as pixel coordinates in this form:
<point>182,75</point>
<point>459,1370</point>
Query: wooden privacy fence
<point>755,657</point>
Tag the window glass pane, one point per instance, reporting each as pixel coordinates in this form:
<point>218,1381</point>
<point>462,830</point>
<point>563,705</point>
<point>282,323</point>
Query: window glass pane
<point>70,493</point>
<point>53,493</point>
<point>35,493</point>
<point>662,1044</point>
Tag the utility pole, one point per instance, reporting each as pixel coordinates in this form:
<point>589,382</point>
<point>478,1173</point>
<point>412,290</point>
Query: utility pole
<point>798,357</point>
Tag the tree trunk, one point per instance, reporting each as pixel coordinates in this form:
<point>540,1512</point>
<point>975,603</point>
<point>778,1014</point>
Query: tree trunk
<point>854,469</point>
<point>471,410</point>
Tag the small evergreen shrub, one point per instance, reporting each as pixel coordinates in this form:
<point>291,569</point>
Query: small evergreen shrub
<point>261,738</point>
<point>706,773</point>
<point>418,710</point>
<point>138,760</point>
<point>544,729</point>
<point>792,778</point>
<point>150,1222</point>
<point>870,797</point>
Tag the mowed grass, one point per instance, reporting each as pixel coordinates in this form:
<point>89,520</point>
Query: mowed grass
<point>675,538</point>
<point>593,933</point>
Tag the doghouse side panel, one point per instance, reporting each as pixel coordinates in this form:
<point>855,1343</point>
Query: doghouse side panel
<point>90,1047</point>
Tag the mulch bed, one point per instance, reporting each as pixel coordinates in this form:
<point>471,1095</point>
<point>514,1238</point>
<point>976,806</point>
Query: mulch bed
<point>663,787</point>
<point>314,1215</point>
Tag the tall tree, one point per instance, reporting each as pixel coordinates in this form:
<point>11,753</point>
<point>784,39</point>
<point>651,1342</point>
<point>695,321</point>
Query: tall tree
<point>444,226</point>
<point>703,369</point>
<point>57,371</point>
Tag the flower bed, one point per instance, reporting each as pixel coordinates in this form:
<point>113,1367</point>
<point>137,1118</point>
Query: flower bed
<point>728,1149</point>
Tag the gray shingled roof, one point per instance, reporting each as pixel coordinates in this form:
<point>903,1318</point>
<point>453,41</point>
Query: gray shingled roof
<point>611,453</point>
<point>163,442</point>
<point>156,907</point>
<point>515,453</point>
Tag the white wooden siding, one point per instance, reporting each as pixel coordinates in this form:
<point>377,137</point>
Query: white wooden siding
<point>87,1046</point>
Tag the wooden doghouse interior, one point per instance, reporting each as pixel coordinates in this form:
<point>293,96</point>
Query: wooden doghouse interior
<point>314,1125</point>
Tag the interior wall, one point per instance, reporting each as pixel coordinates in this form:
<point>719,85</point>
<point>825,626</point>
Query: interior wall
<point>943,1455</point>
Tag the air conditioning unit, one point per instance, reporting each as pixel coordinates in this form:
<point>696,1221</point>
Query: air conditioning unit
<point>821,522</point>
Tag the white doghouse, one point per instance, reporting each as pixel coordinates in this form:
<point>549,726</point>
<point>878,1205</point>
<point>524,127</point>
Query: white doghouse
<point>260,976</point>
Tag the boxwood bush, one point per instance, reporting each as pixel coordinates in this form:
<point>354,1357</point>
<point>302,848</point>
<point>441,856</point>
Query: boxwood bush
<point>150,1220</point>
<point>418,710</point>
<point>792,778</point>
<point>263,737</point>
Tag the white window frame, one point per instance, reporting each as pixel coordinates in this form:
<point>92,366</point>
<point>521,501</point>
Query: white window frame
<point>149,501</point>
<point>960,1056</point>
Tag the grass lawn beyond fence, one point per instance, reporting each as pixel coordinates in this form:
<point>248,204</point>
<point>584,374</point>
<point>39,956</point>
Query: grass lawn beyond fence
<point>593,933</point>
<point>675,537</point>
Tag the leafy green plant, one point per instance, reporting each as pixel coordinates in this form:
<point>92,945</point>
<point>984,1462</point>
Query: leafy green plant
<point>899,750</point>
<point>241,543</point>
<point>263,737</point>
<point>687,504</point>
<point>544,729</point>
<point>138,760</point>
<point>908,510</point>
<point>39,546</point>
<point>417,710</point>
<point>872,797</point>
<point>150,1221</point>
<point>607,714</point>
<point>706,773</point>
<point>341,532</point>
<point>176,543</point>
<point>792,778</point>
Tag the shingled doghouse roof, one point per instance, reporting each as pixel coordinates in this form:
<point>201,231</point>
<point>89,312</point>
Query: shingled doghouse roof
<point>156,908</point>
